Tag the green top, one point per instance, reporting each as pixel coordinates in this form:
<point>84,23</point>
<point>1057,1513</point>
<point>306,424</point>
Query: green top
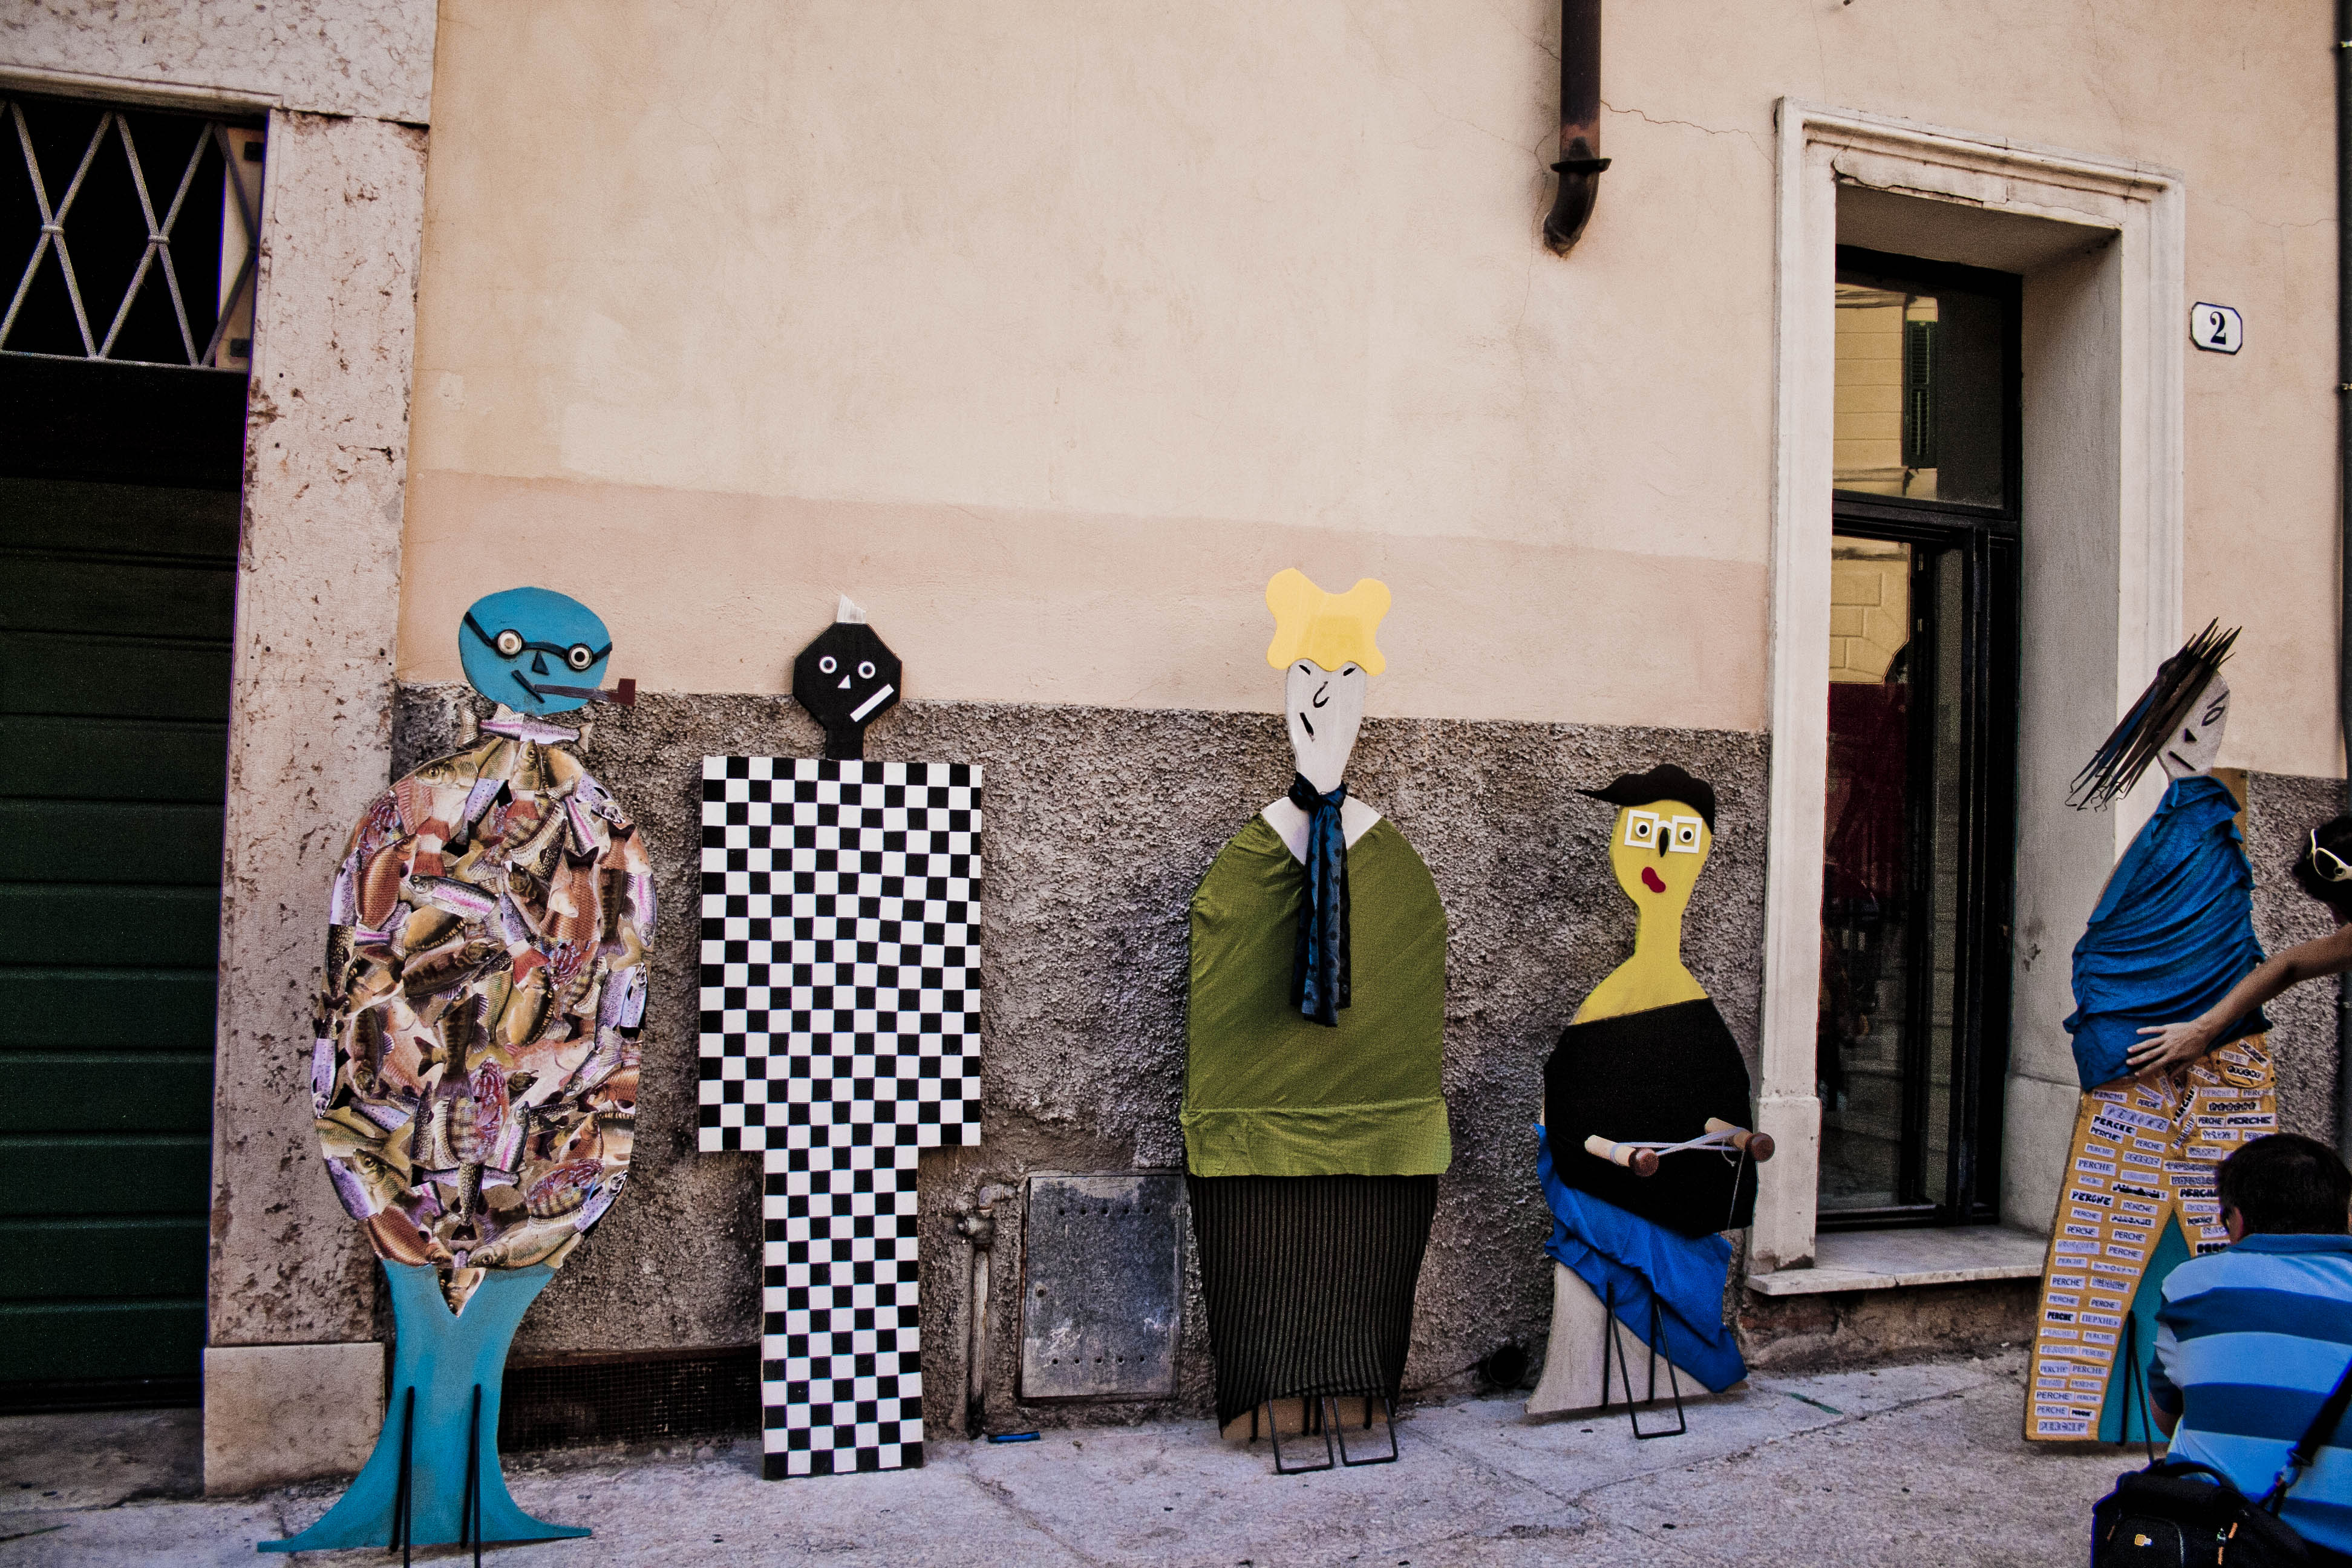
<point>1270,1092</point>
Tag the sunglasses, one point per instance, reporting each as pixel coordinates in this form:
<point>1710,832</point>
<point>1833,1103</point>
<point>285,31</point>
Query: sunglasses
<point>2328,863</point>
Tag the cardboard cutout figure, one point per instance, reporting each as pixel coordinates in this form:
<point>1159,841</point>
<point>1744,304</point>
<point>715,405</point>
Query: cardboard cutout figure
<point>1644,1152</point>
<point>846,678</point>
<point>2172,934</point>
<point>474,1071</point>
<point>1314,1120</point>
<point>841,1036</point>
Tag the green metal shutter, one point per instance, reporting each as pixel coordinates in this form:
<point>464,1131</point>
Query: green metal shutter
<point>115,605</point>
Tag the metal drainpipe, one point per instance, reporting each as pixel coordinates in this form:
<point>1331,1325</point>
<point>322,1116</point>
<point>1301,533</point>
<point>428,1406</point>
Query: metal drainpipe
<point>1580,161</point>
<point>978,1226</point>
<point>2344,504</point>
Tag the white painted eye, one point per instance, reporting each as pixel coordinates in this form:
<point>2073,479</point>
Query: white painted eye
<point>1683,836</point>
<point>580,657</point>
<point>1641,829</point>
<point>866,670</point>
<point>827,664</point>
<point>510,643</point>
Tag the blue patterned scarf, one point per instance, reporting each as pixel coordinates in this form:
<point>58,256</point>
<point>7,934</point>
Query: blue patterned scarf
<point>1318,971</point>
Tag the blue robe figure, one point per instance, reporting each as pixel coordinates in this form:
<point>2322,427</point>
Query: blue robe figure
<point>2172,932</point>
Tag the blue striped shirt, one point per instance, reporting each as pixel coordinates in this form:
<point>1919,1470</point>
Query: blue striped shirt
<point>2249,1342</point>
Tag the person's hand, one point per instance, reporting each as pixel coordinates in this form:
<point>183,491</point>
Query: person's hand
<point>2164,1047</point>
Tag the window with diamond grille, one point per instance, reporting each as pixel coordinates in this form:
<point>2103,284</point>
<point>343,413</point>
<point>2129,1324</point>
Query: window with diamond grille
<point>127,234</point>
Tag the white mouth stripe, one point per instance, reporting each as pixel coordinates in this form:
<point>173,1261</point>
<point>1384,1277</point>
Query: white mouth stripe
<point>871,703</point>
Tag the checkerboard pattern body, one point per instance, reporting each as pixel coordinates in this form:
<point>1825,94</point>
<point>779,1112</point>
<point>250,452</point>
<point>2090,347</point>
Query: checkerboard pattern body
<point>840,1035</point>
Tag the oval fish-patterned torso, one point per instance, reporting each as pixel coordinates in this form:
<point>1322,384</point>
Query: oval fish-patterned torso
<point>474,1070</point>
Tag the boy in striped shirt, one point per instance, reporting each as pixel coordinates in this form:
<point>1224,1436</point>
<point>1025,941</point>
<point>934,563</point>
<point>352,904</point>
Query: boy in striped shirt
<point>2251,1340</point>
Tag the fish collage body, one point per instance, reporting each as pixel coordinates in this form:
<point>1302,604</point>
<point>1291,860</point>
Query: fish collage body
<point>474,1069</point>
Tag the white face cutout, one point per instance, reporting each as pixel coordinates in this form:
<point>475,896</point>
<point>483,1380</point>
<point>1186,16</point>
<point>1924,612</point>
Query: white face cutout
<point>1323,710</point>
<point>2194,747</point>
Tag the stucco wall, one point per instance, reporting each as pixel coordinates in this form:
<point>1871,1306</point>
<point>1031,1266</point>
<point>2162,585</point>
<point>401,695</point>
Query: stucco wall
<point>1050,330</point>
<point>1100,824</point>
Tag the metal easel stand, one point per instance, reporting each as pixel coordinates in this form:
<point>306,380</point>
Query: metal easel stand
<point>1625,1370</point>
<point>1322,1415</point>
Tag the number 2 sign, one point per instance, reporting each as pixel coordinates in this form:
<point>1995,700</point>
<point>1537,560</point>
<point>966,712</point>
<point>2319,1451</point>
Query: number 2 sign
<point>2215,329</point>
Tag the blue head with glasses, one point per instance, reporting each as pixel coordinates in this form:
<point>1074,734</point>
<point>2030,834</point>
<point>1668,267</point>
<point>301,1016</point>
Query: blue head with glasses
<point>534,649</point>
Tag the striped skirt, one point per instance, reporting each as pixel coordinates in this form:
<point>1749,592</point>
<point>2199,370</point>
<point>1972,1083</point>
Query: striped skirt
<point>1309,1282</point>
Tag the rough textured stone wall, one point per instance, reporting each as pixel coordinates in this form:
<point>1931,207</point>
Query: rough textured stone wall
<point>1100,824</point>
<point>2280,809</point>
<point>365,58</point>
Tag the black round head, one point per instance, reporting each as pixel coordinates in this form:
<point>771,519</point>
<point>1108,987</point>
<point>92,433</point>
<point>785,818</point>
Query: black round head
<point>846,678</point>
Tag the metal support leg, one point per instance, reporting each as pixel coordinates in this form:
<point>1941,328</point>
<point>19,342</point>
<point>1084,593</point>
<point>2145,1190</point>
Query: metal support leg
<point>403,1510</point>
<point>1609,1342</point>
<point>469,1527</point>
<point>1274,1430</point>
<point>2132,1380</point>
<point>1625,1370</point>
<point>1388,1458</point>
<point>1674,1380</point>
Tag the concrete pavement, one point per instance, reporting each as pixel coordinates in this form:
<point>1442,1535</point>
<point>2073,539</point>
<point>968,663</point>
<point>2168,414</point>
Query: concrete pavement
<point>1912,1464</point>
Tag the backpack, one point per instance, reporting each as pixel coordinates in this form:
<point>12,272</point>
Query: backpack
<point>2178,1514</point>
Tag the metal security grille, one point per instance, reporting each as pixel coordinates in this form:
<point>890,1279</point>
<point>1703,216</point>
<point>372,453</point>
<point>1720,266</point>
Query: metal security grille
<point>128,234</point>
<point>648,1398</point>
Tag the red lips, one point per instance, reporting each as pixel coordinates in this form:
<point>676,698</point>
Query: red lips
<point>1650,880</point>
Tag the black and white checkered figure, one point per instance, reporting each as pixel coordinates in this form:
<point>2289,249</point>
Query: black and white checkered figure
<point>840,1035</point>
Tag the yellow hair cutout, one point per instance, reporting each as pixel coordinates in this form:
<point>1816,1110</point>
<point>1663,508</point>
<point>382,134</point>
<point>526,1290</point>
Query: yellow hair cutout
<point>1332,629</point>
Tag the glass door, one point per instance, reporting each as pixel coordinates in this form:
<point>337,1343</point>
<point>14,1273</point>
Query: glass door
<point>1919,850</point>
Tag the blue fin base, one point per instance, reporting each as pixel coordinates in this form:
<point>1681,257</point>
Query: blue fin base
<point>443,1357</point>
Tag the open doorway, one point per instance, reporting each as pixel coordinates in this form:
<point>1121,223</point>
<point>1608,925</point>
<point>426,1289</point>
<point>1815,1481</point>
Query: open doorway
<point>1919,854</point>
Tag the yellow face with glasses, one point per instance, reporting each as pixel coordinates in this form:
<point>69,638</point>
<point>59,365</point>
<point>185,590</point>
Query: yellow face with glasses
<point>1657,851</point>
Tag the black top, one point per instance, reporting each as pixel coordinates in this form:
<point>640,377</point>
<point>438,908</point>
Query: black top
<point>1654,1076</point>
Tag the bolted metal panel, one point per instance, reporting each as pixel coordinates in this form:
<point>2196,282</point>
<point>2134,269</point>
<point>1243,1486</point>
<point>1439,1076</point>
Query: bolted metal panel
<point>1102,1286</point>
